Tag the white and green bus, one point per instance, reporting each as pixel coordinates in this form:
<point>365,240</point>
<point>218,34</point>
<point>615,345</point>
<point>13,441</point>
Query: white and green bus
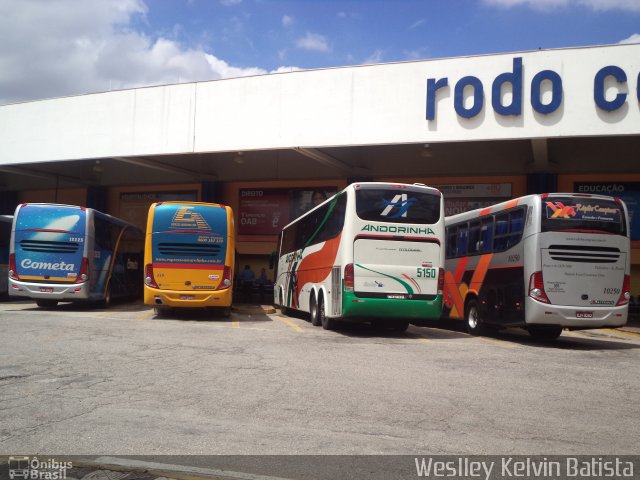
<point>372,252</point>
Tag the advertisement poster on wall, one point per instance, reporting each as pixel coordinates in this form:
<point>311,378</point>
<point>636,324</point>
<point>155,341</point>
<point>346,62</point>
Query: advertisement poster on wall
<point>463,197</point>
<point>265,211</point>
<point>628,192</point>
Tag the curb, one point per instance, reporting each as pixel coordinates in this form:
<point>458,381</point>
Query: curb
<point>253,309</point>
<point>167,471</point>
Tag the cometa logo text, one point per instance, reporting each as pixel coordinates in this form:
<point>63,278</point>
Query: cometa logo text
<point>60,266</point>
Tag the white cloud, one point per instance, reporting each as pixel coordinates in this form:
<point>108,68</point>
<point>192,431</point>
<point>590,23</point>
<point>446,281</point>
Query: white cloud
<point>65,47</point>
<point>417,23</point>
<point>375,57</point>
<point>313,41</point>
<point>230,3</point>
<point>287,21</point>
<point>596,5</point>
<point>635,38</point>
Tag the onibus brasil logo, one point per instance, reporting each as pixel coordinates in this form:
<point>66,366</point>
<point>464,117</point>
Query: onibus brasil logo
<point>401,202</point>
<point>34,469</point>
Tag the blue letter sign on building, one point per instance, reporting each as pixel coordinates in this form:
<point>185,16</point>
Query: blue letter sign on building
<point>515,78</point>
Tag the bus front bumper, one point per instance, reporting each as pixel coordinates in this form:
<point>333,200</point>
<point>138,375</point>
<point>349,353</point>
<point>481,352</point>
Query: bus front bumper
<point>574,317</point>
<point>187,298</point>
<point>65,292</point>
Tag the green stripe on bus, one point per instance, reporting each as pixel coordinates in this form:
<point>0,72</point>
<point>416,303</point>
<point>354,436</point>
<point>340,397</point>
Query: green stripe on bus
<point>401,282</point>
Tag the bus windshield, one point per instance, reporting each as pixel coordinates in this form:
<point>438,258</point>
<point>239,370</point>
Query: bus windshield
<point>193,234</point>
<point>583,214</point>
<point>49,242</point>
<point>392,205</point>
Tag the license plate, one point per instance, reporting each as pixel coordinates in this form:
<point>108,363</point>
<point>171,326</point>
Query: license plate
<point>187,297</point>
<point>584,314</point>
<point>396,297</point>
<point>46,289</point>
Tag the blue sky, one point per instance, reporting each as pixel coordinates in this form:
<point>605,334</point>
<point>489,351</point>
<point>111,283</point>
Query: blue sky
<point>52,48</point>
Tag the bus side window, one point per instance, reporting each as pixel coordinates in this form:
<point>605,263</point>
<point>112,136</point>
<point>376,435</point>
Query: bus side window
<point>516,221</point>
<point>502,229</point>
<point>463,235</point>
<point>474,237</point>
<point>486,235</point>
<point>452,236</point>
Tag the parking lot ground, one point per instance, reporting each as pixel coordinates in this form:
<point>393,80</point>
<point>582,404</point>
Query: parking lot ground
<point>123,381</point>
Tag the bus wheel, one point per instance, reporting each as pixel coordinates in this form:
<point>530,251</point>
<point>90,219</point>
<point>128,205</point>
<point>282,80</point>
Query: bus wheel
<point>327,323</point>
<point>400,326</point>
<point>46,303</point>
<point>106,301</point>
<point>475,325</point>
<point>543,332</point>
<point>283,309</point>
<point>313,311</point>
<point>161,312</point>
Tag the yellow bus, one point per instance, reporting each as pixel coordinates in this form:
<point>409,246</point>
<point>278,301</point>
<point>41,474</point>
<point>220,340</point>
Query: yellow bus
<point>189,256</point>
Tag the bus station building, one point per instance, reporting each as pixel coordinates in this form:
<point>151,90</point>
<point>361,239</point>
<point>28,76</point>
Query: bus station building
<point>482,129</point>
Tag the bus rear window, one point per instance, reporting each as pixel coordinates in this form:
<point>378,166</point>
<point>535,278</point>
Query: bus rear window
<point>397,206</point>
<point>583,214</point>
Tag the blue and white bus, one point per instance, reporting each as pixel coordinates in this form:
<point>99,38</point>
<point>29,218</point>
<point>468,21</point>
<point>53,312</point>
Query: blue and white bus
<point>65,253</point>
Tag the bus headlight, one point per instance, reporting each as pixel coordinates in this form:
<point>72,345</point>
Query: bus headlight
<point>147,281</point>
<point>226,282</point>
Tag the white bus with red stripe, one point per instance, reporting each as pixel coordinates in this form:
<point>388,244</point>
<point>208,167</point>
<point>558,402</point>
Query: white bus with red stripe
<point>542,262</point>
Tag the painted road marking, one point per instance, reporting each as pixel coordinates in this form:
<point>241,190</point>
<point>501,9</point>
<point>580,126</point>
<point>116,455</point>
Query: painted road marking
<point>289,323</point>
<point>495,341</point>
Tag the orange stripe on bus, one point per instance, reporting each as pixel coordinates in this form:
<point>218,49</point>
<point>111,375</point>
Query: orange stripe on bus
<point>511,204</point>
<point>460,269</point>
<point>454,294</point>
<point>480,272</point>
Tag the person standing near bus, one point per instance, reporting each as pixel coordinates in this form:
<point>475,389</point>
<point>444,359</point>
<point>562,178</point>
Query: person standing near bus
<point>247,278</point>
<point>262,283</point>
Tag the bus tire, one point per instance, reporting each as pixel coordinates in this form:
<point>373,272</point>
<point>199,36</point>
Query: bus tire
<point>475,325</point>
<point>283,309</point>
<point>327,323</point>
<point>161,312</point>
<point>543,332</point>
<point>313,311</point>
<point>400,326</point>
<point>46,303</point>
<point>106,301</point>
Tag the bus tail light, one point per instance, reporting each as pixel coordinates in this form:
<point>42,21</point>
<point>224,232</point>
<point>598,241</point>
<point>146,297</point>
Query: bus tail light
<point>84,271</point>
<point>149,279</point>
<point>441,281</point>
<point>13,274</point>
<point>536,288</point>
<point>348,277</point>
<point>227,275</point>
<point>626,291</point>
